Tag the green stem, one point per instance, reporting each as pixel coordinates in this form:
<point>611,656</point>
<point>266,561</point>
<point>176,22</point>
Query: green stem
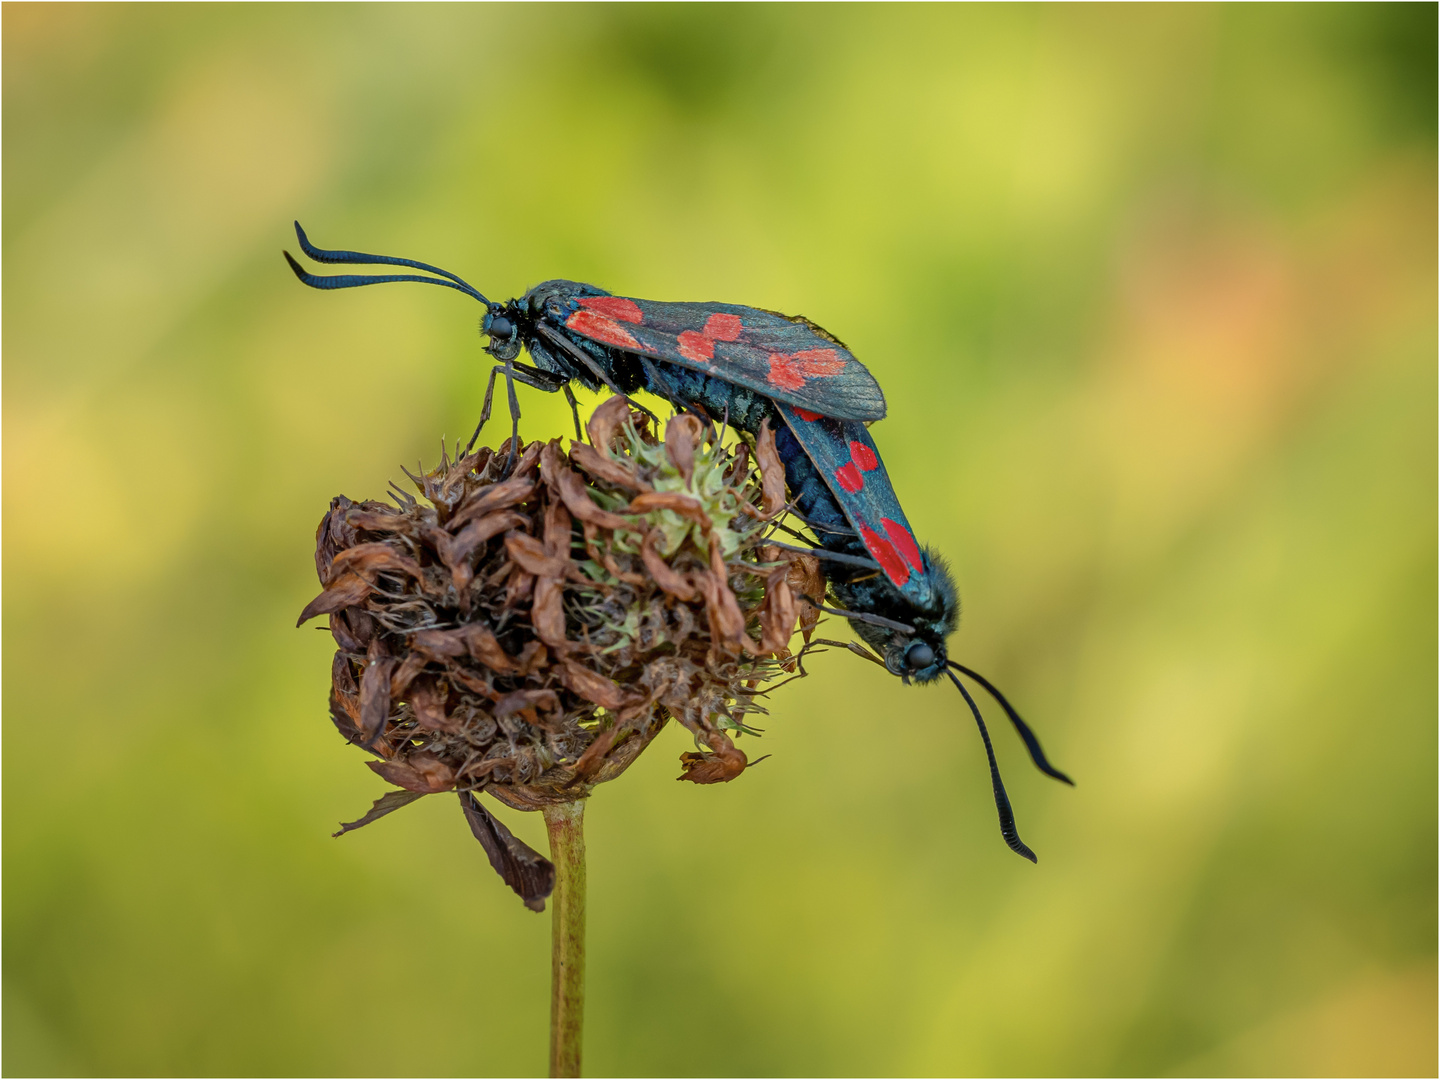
<point>566,825</point>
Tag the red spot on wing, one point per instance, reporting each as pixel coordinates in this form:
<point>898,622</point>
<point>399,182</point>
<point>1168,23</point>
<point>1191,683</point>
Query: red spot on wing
<point>722,327</point>
<point>790,370</point>
<point>601,328</point>
<point>863,456</point>
<point>701,347</point>
<point>885,555</point>
<point>904,542</point>
<point>617,307</point>
<point>849,477</point>
<point>696,347</point>
<point>808,416</point>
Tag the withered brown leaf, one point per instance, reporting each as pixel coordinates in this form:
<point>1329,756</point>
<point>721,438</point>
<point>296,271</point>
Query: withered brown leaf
<point>342,592</point>
<point>682,435</point>
<point>387,803</point>
<point>606,421</point>
<point>603,467</point>
<point>422,772</point>
<point>524,869</point>
<point>590,686</point>
<point>772,470</point>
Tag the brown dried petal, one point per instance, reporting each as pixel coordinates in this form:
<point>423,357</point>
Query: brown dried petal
<point>341,632</point>
<point>367,560</point>
<point>547,613</point>
<point>669,579</point>
<point>686,506</point>
<point>457,550</point>
<point>343,714</point>
<point>361,624</point>
<point>342,592</point>
<point>595,754</point>
<point>404,675</point>
<point>682,435</point>
<point>378,520</point>
<point>599,552</point>
<point>324,549</point>
<point>724,764</point>
<point>601,467</point>
<point>429,705</point>
<point>482,646</point>
<point>777,620</point>
<point>805,578</point>
<point>530,555</point>
<point>343,679</point>
<point>740,466</point>
<point>517,489</point>
<point>607,420</point>
<point>517,700</point>
<point>440,643</point>
<point>517,591</point>
<point>727,618</point>
<point>387,803</point>
<point>557,532</point>
<point>533,657</point>
<point>577,500</point>
<point>592,687</point>
<point>772,470</point>
<point>422,772</point>
<point>525,870</point>
<point>375,690</point>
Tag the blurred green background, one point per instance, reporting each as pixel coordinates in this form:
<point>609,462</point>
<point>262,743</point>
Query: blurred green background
<point>1152,295</point>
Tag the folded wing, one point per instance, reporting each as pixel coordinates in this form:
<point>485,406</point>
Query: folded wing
<point>788,359</point>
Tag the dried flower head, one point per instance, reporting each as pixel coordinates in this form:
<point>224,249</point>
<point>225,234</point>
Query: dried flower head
<point>529,632</point>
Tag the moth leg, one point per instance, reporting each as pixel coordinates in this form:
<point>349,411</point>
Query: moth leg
<point>574,411</point>
<point>829,556</point>
<point>514,416</point>
<point>556,338</point>
<point>485,408</point>
<point>822,528</point>
<point>660,384</point>
<point>526,376</point>
<point>549,381</point>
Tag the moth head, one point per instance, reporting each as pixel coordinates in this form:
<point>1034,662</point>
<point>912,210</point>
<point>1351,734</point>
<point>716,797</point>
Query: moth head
<point>502,324</point>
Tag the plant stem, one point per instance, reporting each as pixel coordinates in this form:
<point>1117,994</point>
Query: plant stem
<point>566,824</point>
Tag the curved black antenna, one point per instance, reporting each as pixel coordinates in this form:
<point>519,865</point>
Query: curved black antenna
<point>347,281</point>
<point>1031,742</point>
<point>1002,801</point>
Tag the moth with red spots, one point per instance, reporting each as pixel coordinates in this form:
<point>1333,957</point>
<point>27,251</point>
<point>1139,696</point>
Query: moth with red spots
<point>756,370</point>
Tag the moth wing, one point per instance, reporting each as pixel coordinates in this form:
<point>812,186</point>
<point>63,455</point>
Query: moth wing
<point>845,456</point>
<point>788,359</point>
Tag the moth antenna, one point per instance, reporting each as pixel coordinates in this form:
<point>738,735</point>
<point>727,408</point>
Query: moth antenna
<point>1032,743</point>
<point>348,281</point>
<point>1002,801</point>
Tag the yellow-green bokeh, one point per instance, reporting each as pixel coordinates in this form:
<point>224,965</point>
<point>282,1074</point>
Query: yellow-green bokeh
<point>1152,295</point>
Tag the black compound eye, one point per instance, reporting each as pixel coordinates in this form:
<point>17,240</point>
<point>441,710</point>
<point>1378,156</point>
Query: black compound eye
<point>500,327</point>
<point>919,655</point>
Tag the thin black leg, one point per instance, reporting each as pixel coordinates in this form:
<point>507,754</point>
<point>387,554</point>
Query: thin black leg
<point>660,383</point>
<point>484,409</point>
<point>574,411</point>
<point>514,415</point>
<point>525,376</point>
<point>564,343</point>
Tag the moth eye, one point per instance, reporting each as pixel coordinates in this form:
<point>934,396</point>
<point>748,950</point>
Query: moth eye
<point>501,327</point>
<point>919,655</point>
